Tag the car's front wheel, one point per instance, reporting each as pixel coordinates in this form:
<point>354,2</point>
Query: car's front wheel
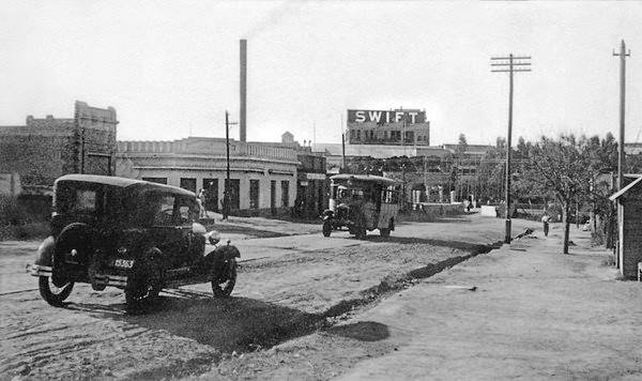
<point>142,291</point>
<point>52,294</point>
<point>327,228</point>
<point>224,281</point>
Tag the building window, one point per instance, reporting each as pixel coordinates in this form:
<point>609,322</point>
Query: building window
<point>211,194</point>
<point>234,188</point>
<point>158,180</point>
<point>285,193</point>
<point>273,196</point>
<point>358,134</point>
<point>188,183</point>
<point>254,194</point>
<point>410,136</point>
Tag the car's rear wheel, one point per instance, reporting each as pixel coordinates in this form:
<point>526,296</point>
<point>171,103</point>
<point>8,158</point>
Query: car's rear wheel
<point>327,228</point>
<point>52,294</point>
<point>223,283</point>
<point>73,252</point>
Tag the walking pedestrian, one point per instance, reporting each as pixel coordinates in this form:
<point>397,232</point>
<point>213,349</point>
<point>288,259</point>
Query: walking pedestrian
<point>545,220</point>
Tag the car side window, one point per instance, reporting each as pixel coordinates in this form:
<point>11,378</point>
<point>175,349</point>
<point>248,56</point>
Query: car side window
<point>85,201</point>
<point>164,211</point>
<point>188,211</point>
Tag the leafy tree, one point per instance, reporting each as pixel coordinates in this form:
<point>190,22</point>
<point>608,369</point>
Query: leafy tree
<point>562,167</point>
<point>602,155</point>
<point>490,175</point>
<point>462,144</point>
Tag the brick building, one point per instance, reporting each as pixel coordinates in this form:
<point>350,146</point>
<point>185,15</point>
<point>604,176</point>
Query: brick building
<point>44,149</point>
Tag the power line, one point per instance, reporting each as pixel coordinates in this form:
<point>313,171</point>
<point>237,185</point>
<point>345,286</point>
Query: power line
<point>510,64</point>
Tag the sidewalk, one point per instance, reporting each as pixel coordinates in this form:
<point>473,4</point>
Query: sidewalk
<point>535,314</point>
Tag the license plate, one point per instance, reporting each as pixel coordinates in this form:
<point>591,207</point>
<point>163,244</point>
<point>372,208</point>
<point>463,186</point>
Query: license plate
<point>124,263</point>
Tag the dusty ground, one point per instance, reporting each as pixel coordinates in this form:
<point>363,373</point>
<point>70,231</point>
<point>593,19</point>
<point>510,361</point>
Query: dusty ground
<point>286,317</point>
<point>524,311</point>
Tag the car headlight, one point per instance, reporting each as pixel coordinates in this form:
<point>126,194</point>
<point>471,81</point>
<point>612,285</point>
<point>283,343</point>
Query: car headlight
<point>214,237</point>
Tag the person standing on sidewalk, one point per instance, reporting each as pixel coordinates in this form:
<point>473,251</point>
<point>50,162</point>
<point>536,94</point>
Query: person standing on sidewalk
<point>545,219</point>
<point>200,199</point>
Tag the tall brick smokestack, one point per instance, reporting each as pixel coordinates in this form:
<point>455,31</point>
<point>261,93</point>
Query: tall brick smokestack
<point>243,91</point>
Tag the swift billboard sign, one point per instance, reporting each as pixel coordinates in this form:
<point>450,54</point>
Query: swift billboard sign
<point>383,117</point>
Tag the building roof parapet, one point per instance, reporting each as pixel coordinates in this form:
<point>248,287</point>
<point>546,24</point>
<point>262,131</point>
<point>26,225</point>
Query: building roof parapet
<point>209,147</point>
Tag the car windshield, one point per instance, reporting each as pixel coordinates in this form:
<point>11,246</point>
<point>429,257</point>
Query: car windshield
<point>356,190</point>
<point>166,209</point>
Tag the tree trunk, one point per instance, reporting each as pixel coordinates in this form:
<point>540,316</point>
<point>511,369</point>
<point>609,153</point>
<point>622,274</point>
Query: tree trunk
<point>595,214</point>
<point>567,225</point>
<point>610,228</point>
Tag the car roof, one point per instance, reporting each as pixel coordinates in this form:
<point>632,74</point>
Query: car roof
<point>371,178</point>
<point>122,182</point>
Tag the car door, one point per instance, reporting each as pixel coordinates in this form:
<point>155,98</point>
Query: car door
<point>165,229</point>
<point>192,243</point>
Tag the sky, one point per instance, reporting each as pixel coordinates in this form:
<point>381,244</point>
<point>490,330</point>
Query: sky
<point>171,68</point>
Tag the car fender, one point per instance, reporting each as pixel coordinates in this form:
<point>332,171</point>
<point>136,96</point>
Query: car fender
<point>216,260</point>
<point>328,214</point>
<point>45,252</point>
<point>149,258</point>
<point>225,253</point>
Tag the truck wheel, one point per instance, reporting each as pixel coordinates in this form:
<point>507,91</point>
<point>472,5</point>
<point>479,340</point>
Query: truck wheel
<point>223,283</point>
<point>327,228</point>
<point>53,295</point>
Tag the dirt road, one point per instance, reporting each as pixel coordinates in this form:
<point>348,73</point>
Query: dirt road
<point>288,288</point>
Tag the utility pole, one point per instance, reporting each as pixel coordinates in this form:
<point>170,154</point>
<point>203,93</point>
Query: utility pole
<point>621,159</point>
<point>226,192</point>
<point>510,64</point>
<point>426,190</point>
<point>343,148</point>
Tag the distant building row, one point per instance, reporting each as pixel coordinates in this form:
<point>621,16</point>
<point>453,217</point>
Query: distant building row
<point>264,177</point>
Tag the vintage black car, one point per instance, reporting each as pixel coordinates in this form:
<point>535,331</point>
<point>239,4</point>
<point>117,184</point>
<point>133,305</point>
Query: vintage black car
<point>131,234</point>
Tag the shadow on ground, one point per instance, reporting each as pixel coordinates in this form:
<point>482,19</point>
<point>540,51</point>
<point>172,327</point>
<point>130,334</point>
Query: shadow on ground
<point>230,324</point>
<point>362,331</point>
<point>471,247</point>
